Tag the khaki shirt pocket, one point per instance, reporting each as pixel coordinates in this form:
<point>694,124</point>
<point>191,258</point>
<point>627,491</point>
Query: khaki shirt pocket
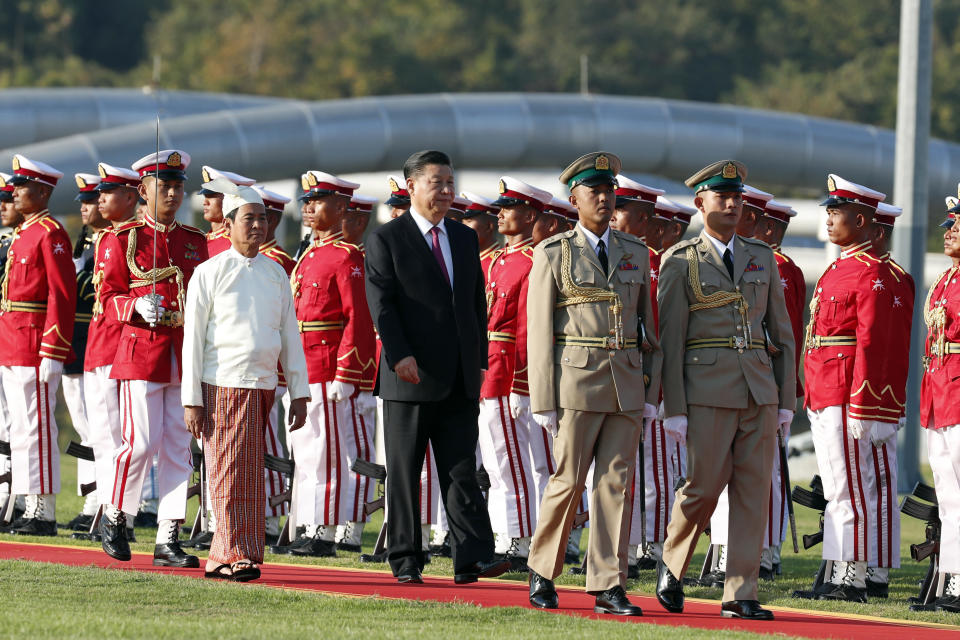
<point>572,356</point>
<point>700,357</point>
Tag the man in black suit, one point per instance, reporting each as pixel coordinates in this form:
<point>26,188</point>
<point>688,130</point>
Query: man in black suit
<point>426,294</point>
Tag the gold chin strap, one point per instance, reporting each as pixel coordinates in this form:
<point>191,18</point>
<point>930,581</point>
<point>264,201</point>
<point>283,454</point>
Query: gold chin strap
<point>147,278</point>
<point>717,299</point>
<point>585,295</point>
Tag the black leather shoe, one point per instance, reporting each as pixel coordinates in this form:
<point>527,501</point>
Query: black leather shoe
<point>669,589</point>
<point>843,592</point>
<point>490,569</point>
<point>113,539</point>
<point>172,555</point>
<point>373,557</point>
<point>646,563</point>
<point>348,548</point>
<point>746,609</point>
<point>315,548</point>
<point>571,558</point>
<point>767,574</point>
<point>80,523</point>
<point>37,527</point>
<point>409,575</point>
<point>950,604</point>
<point>615,602</point>
<point>543,595</point>
<point>17,522</point>
<point>714,579</point>
<point>201,541</point>
<point>877,589</point>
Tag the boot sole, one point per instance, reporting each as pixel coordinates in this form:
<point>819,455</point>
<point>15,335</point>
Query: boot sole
<point>617,613</point>
<point>190,564</point>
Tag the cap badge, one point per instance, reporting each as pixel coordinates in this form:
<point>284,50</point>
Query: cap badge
<point>81,183</point>
<point>729,171</point>
<point>311,180</point>
<point>3,182</point>
<point>303,183</point>
<point>101,171</point>
<point>503,186</point>
<point>393,185</point>
<point>205,174</point>
<point>173,160</point>
<point>16,163</point>
<point>602,163</point>
<point>951,202</point>
<point>831,184</point>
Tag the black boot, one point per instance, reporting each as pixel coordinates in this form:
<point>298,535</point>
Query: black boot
<point>113,537</point>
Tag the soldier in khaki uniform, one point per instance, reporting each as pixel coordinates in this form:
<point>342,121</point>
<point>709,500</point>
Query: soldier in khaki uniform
<point>588,304</point>
<point>720,299</point>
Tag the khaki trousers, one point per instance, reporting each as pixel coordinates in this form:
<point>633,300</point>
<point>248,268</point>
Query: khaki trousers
<point>734,448</point>
<point>611,440</point>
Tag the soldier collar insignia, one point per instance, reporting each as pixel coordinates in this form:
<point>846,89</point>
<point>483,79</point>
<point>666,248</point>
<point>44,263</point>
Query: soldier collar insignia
<point>173,160</point>
<point>81,183</point>
<point>729,171</point>
<point>602,163</point>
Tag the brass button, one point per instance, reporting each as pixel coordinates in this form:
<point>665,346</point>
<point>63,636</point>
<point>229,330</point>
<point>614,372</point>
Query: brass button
<point>696,359</point>
<point>323,342</point>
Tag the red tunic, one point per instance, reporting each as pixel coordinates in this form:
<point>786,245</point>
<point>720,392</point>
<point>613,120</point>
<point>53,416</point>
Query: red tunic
<point>859,299</point>
<point>795,294</point>
<point>104,334</point>
<point>486,256</point>
<point>217,242</point>
<point>144,352</point>
<point>507,277</point>
<point>276,253</point>
<point>938,403</point>
<point>39,294</point>
<point>331,305</point>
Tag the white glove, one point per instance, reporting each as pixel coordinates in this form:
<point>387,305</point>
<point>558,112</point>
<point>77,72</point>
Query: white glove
<point>784,420</point>
<point>902,423</point>
<point>367,406</point>
<point>649,411</point>
<point>149,310</point>
<point>339,391</point>
<point>859,429</point>
<point>547,420</point>
<point>519,405</point>
<point>50,369</point>
<point>881,432</point>
<point>676,428</point>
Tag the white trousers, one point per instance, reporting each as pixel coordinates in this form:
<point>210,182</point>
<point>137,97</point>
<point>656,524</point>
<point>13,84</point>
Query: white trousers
<point>34,454</point>
<point>359,435</point>
<point>321,448</point>
<point>943,450</point>
<point>862,522</point>
<point>74,396</point>
<point>4,436</point>
<point>660,468</point>
<point>152,425</point>
<point>505,449</point>
<point>777,517</point>
<point>273,480</point>
<point>103,409</point>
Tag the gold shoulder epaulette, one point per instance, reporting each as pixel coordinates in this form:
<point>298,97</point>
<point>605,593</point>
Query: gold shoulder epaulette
<point>126,226</point>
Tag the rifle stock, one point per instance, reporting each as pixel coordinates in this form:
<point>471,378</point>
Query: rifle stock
<point>372,506</point>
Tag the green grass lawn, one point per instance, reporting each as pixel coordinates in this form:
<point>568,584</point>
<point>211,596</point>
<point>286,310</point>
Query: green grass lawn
<point>160,606</point>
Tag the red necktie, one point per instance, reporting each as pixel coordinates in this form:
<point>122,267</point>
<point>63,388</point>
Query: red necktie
<point>438,254</point>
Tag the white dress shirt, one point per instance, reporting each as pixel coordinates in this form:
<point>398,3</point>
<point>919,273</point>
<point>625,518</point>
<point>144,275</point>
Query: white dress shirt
<point>594,239</point>
<point>239,322</point>
<point>425,226</point>
<point>720,246</point>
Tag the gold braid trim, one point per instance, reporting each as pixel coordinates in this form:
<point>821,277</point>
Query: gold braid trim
<point>149,278</point>
<point>717,299</point>
<point>936,318</point>
<point>585,295</point>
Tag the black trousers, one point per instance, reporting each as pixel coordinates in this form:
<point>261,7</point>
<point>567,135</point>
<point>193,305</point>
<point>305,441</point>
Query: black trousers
<point>451,426</point>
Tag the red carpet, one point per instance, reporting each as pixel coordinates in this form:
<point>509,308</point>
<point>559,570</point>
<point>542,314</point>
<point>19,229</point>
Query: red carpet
<point>501,593</point>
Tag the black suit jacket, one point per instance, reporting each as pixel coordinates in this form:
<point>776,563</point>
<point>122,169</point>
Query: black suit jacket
<point>416,313</point>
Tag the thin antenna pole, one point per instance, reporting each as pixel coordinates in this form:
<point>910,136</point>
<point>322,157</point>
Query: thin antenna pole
<point>156,221</point>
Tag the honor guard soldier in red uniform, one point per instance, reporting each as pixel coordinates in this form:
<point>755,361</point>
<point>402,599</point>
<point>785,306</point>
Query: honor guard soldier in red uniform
<point>940,412</point>
<point>481,216</point>
<point>399,200</point>
<point>37,307</point>
<point>274,204</point>
<point>144,286</point>
<point>681,222</point>
<point>754,203</point>
<point>855,359</point>
<point>8,218</point>
<point>217,239</point>
<point>457,208</point>
<point>635,203</point>
<point>72,380</point>
<point>117,204</point>
<point>337,332</point>
<point>771,229</point>
<point>505,423</point>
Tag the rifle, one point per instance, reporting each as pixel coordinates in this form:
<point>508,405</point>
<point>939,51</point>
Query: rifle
<point>811,498</point>
<point>785,487</point>
<point>930,547</point>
